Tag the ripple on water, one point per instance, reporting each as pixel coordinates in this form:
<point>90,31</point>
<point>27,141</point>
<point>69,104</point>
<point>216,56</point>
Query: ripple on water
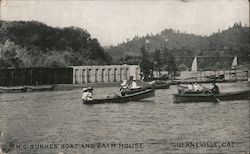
<point>60,117</point>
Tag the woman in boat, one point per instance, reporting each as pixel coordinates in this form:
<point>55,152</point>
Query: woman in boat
<point>215,89</point>
<point>134,85</point>
<point>190,87</point>
<point>87,93</point>
<point>197,87</point>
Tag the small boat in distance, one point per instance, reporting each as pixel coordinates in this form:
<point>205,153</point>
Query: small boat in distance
<point>123,99</point>
<point>26,89</point>
<point>158,84</point>
<point>209,97</point>
<point>12,89</point>
<point>40,88</point>
<point>162,86</point>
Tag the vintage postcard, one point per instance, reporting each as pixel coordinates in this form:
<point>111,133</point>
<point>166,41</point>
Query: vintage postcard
<point>123,76</point>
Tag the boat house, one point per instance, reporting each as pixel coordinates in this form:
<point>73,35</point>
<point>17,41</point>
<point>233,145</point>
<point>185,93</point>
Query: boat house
<point>105,73</point>
<point>68,75</point>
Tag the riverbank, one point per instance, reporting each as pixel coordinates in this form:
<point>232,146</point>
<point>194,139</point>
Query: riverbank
<point>59,87</point>
<point>174,82</point>
<point>94,85</point>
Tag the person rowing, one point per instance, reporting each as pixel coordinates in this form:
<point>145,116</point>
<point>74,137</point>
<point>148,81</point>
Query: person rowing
<point>215,89</point>
<point>123,87</point>
<point>87,93</point>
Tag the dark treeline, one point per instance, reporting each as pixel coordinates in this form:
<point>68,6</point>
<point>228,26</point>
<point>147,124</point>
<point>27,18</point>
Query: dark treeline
<point>34,44</point>
<point>183,47</point>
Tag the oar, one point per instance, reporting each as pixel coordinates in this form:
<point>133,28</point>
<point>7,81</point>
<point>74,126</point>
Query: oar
<point>217,99</point>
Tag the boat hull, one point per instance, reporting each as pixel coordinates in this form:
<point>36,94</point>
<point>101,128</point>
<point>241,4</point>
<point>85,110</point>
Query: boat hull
<point>12,89</point>
<point>124,99</point>
<point>162,86</point>
<point>26,89</point>
<point>136,90</point>
<point>39,88</point>
<point>183,98</point>
<point>241,95</point>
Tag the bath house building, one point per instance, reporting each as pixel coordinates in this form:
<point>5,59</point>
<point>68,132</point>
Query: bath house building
<point>105,73</point>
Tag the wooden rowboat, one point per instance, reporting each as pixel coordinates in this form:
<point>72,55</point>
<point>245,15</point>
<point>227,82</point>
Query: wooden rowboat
<point>160,84</point>
<point>12,89</point>
<point>209,97</point>
<point>130,91</point>
<point>124,99</point>
<point>143,88</point>
<point>40,88</point>
<point>26,89</point>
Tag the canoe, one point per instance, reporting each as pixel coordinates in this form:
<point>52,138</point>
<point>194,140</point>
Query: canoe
<point>40,88</point>
<point>124,99</point>
<point>12,89</point>
<point>209,97</point>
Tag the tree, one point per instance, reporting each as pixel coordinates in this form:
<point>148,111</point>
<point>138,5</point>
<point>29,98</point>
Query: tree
<point>9,55</point>
<point>146,65</point>
<point>157,60</point>
<point>169,62</point>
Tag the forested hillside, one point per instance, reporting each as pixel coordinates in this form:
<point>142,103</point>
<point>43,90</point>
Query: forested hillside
<point>183,47</point>
<point>34,44</point>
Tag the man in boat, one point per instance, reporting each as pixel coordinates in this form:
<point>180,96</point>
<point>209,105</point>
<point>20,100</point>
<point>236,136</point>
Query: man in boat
<point>123,87</point>
<point>87,93</point>
<point>179,88</point>
<point>215,89</point>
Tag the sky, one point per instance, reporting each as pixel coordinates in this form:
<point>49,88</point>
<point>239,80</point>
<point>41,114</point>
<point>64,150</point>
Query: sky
<point>115,21</point>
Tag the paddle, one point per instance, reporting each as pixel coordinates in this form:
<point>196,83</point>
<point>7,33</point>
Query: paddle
<point>217,99</point>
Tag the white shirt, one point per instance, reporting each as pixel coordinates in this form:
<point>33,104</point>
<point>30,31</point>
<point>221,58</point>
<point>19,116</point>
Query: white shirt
<point>190,87</point>
<point>87,96</point>
<point>134,85</point>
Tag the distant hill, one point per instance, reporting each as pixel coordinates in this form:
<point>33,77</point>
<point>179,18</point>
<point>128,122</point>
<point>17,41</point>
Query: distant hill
<point>231,42</point>
<point>34,44</point>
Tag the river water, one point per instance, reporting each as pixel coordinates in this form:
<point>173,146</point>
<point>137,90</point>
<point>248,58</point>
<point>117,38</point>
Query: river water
<point>57,122</point>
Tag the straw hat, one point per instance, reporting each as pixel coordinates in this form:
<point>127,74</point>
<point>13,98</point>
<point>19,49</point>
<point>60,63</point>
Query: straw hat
<point>90,88</point>
<point>84,89</point>
<point>124,82</point>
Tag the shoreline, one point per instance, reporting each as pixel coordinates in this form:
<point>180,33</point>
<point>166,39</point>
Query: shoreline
<point>61,87</point>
